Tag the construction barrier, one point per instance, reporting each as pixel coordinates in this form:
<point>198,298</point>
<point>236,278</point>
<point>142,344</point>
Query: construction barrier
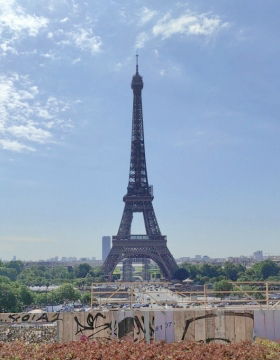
<point>169,325</point>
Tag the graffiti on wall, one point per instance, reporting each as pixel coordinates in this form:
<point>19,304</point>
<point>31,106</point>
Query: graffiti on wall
<point>213,315</point>
<point>167,325</point>
<point>28,317</point>
<point>91,326</point>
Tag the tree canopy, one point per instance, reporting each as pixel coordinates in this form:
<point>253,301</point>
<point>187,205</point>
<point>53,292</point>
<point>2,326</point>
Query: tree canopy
<point>181,274</point>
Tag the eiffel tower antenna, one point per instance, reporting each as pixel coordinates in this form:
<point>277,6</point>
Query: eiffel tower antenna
<point>137,62</point>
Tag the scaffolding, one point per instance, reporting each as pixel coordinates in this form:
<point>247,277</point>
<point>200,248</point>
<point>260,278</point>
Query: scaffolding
<point>243,294</point>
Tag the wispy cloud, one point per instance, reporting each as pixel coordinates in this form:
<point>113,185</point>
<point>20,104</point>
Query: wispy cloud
<point>14,145</point>
<point>85,40</point>
<point>64,20</point>
<point>26,118</point>
<point>16,23</point>
<point>188,24</point>
<point>141,40</point>
<point>30,132</point>
<point>50,56</point>
<point>146,15</point>
<point>82,38</point>
<point>126,16</point>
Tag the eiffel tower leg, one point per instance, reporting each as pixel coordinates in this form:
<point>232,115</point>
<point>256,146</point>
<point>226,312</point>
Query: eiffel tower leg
<point>150,219</point>
<point>112,260</point>
<point>125,226</point>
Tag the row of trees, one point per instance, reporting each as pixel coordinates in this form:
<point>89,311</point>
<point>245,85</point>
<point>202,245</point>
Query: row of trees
<point>83,274</point>
<point>14,297</point>
<point>266,270</point>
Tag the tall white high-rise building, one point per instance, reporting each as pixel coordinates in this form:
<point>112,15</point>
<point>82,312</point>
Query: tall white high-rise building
<point>106,246</point>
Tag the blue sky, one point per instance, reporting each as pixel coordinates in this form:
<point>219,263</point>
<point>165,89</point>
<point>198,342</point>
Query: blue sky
<point>211,118</point>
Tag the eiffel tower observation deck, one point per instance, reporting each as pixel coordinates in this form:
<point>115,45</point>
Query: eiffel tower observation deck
<point>139,197</point>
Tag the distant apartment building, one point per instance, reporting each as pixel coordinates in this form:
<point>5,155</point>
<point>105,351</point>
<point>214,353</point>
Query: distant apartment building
<point>258,255</point>
<point>106,246</point>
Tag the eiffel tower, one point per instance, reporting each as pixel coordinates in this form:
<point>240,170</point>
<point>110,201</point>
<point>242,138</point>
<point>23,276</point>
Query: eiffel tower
<point>139,198</point>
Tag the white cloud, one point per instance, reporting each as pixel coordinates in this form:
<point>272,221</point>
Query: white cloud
<point>85,40</point>
<point>141,40</point>
<point>188,24</point>
<point>14,19</point>
<point>76,61</point>
<point>14,145</point>
<point>6,47</point>
<point>126,16</point>
<point>82,38</point>
<point>15,23</point>
<point>146,15</point>
<point>26,115</point>
<point>50,55</point>
<point>64,20</point>
<point>75,7</point>
<point>44,113</point>
<point>30,132</point>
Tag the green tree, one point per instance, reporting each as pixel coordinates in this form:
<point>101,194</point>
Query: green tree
<point>82,270</point>
<point>8,299</point>
<point>18,265</point>
<point>211,270</point>
<point>222,285</point>
<point>181,274</point>
<point>66,292</point>
<point>265,269</point>
<point>26,296</point>
<point>233,271</point>
<point>193,269</point>
<point>97,271</point>
<point>203,279</point>
<point>79,283</point>
<point>4,279</point>
<point>10,273</point>
<point>86,298</point>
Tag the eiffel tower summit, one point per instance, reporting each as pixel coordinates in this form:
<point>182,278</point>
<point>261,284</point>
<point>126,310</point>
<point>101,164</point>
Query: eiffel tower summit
<point>139,198</point>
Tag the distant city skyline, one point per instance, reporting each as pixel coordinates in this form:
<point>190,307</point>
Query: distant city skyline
<point>211,117</point>
<point>257,255</point>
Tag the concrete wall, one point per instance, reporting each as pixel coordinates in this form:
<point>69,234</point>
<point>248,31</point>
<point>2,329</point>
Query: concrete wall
<point>170,325</point>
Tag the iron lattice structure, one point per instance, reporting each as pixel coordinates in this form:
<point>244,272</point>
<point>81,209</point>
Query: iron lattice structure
<point>139,198</point>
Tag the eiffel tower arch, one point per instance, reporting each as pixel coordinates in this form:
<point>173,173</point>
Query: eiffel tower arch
<point>139,197</point>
